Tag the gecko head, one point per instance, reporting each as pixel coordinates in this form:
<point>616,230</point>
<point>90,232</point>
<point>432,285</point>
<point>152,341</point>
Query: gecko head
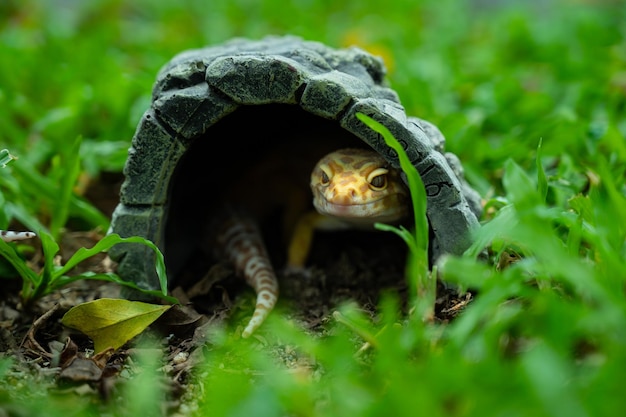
<point>359,186</point>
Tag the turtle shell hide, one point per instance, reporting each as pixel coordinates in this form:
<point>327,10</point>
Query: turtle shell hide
<point>215,109</point>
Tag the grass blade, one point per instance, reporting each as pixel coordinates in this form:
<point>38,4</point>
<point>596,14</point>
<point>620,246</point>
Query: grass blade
<point>5,157</point>
<point>70,173</point>
<point>50,249</point>
<point>33,183</point>
<point>417,265</point>
<point>542,182</point>
<point>27,274</point>
<point>104,245</point>
<point>110,277</point>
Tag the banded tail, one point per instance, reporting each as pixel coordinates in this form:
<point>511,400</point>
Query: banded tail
<point>239,240</point>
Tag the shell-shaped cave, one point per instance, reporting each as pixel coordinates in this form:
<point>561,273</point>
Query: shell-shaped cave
<point>253,108</point>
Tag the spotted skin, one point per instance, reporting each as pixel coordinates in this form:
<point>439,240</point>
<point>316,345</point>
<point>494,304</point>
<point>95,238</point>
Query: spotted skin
<point>9,236</point>
<point>351,188</point>
<point>359,187</point>
<point>239,241</point>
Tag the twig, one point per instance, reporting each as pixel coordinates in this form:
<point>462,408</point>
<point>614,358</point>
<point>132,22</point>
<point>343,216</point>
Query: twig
<point>33,345</point>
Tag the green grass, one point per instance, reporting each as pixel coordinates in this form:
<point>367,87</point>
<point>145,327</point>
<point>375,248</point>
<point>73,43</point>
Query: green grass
<point>422,282</point>
<point>545,336</point>
<point>53,277</point>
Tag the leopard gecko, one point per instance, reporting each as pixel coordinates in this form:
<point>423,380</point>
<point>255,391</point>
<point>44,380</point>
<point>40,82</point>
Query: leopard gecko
<point>352,188</point>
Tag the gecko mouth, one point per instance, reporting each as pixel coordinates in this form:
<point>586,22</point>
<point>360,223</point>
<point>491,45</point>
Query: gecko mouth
<point>387,209</point>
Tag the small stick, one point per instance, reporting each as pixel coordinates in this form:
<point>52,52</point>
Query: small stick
<point>9,236</point>
<point>29,340</point>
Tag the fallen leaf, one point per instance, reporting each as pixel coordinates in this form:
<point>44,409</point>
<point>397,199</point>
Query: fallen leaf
<point>81,370</point>
<point>180,321</point>
<point>111,322</point>
<point>102,358</point>
<point>69,352</point>
<point>30,343</point>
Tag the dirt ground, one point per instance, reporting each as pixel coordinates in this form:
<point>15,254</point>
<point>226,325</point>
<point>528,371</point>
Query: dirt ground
<point>346,266</point>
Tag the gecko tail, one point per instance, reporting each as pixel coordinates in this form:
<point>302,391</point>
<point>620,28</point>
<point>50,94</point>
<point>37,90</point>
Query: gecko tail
<point>265,302</point>
<point>241,243</point>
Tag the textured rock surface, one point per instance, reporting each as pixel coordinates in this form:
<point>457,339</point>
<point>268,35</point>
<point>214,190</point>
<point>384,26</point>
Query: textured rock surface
<point>199,88</point>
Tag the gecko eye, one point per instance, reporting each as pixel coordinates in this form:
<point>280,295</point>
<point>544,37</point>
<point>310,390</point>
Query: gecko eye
<point>324,179</point>
<point>377,179</point>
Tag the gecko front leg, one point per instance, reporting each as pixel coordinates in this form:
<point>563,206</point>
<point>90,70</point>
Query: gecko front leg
<point>352,188</point>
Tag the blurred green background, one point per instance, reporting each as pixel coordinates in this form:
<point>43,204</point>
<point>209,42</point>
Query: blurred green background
<point>495,76</point>
<point>545,337</point>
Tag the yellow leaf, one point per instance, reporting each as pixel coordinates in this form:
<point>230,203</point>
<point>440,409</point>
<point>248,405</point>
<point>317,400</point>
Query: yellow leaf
<point>111,322</point>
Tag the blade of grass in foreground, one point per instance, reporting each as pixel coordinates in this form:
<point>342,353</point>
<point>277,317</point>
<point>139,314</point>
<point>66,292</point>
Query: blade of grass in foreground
<point>52,279</point>
<point>5,157</point>
<point>33,183</point>
<point>105,244</point>
<point>421,281</point>
<point>70,161</point>
<point>7,252</point>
